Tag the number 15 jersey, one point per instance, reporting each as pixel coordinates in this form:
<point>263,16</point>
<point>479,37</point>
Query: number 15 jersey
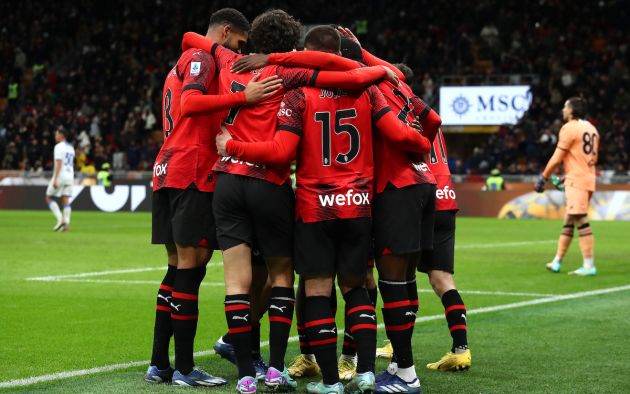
<point>335,165</point>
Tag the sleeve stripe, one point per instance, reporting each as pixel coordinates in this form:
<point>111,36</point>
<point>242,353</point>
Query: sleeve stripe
<point>213,50</point>
<point>291,129</point>
<point>423,114</point>
<point>313,78</point>
<point>194,86</point>
<point>377,116</point>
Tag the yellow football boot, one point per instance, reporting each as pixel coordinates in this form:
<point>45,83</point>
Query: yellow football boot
<point>386,352</point>
<point>452,362</point>
<point>303,366</point>
<point>347,368</point>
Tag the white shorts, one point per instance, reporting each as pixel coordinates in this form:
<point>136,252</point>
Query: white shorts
<point>64,188</point>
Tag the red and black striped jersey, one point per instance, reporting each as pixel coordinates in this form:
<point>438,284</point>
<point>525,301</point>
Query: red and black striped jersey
<point>335,166</point>
<point>445,197</point>
<point>188,152</point>
<point>392,165</point>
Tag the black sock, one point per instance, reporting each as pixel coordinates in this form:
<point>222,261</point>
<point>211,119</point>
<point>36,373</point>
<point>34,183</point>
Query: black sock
<point>227,338</point>
<point>238,314</point>
<point>455,311</point>
<point>163,330</point>
<point>412,292</point>
<point>184,311</point>
<point>255,340</point>
<point>361,318</point>
<point>280,320</point>
<point>349,348</point>
<point>322,335</point>
<point>396,313</point>
<point>373,293</point>
<point>300,302</point>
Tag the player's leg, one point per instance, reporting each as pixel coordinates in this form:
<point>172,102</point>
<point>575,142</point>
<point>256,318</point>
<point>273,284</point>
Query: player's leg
<point>160,370</point>
<point>235,234</point>
<point>587,246</point>
<point>193,229</point>
<point>438,264</point>
<point>315,263</point>
<point>51,193</point>
<point>260,294</point>
<point>564,241</point>
<point>304,364</point>
<point>398,238</point>
<point>354,238</point>
<point>67,210</point>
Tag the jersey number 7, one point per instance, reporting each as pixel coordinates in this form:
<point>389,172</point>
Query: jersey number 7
<point>234,88</point>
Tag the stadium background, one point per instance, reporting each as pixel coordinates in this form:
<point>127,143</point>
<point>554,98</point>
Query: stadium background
<point>97,68</point>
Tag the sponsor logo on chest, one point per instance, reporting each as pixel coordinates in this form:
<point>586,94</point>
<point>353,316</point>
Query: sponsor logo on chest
<point>349,198</point>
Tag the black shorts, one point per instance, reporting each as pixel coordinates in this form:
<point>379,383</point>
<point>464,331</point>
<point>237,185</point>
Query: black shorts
<point>403,219</point>
<point>333,246</point>
<point>254,212</point>
<point>183,216</point>
<point>442,257</point>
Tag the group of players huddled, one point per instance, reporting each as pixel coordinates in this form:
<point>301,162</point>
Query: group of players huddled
<point>372,184</point>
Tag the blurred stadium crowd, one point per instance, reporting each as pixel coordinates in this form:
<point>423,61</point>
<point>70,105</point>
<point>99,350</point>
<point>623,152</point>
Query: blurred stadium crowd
<point>97,68</point>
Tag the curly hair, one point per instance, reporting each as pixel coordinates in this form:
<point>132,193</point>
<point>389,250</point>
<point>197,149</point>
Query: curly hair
<point>275,31</point>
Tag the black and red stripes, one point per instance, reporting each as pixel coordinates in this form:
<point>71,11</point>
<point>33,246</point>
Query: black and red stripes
<point>280,320</point>
<point>238,315</point>
<point>361,322</point>
<point>321,331</point>
<point>163,329</point>
<point>455,311</point>
<point>397,316</point>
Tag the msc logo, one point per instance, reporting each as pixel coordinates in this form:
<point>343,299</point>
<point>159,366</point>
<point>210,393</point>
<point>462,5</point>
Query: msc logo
<point>284,111</point>
<point>349,198</point>
<point>460,105</point>
<point>445,194</point>
<point>159,169</point>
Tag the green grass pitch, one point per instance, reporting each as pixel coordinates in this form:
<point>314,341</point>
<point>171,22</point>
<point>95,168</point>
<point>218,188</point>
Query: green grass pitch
<point>74,319</point>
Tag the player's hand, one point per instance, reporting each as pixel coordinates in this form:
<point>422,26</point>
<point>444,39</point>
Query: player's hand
<point>540,184</point>
<point>347,33</point>
<point>222,139</point>
<point>416,125</point>
<point>249,63</point>
<point>55,183</point>
<point>257,91</point>
<point>391,76</point>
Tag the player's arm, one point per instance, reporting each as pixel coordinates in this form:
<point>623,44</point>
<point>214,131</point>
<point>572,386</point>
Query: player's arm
<point>402,135</point>
<point>562,148</point>
<point>221,54</point>
<point>58,156</point>
<point>285,142</point>
<point>427,117</point>
<point>196,102</point>
<point>352,80</point>
<point>307,59</point>
<point>369,58</point>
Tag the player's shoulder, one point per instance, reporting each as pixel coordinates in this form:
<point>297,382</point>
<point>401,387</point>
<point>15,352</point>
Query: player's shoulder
<point>194,55</point>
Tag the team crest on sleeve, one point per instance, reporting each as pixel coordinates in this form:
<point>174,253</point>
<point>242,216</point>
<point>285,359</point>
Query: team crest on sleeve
<point>195,68</point>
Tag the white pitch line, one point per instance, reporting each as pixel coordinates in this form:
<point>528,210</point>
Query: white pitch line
<point>499,293</point>
<point>505,244</point>
<point>102,273</point>
<point>476,311</point>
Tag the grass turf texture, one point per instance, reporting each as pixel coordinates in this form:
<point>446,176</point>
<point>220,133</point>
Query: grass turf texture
<point>55,326</point>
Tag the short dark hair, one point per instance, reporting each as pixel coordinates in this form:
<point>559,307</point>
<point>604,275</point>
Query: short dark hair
<point>406,70</point>
<point>578,107</point>
<point>275,31</point>
<point>230,16</point>
<point>323,38</point>
<point>351,50</point>
<point>63,131</point>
